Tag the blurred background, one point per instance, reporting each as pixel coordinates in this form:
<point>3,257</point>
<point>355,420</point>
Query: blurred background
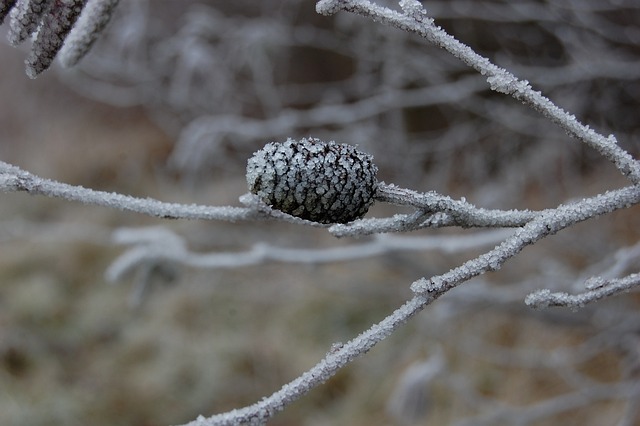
<point>170,103</point>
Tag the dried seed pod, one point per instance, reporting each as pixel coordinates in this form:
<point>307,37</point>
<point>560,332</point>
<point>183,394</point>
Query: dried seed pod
<point>70,25</point>
<point>54,27</point>
<point>319,181</point>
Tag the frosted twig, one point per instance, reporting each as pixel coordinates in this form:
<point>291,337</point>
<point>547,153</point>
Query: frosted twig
<point>395,223</point>
<point>415,20</point>
<point>13,179</point>
<point>434,211</point>
<point>427,291</point>
<point>338,357</point>
<point>545,224</point>
<point>545,298</point>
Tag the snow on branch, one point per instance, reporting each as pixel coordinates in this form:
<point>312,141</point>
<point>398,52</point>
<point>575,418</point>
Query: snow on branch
<point>598,288</point>
<point>414,19</point>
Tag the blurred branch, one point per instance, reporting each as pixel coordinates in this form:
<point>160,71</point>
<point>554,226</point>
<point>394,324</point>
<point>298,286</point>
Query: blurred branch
<point>158,245</point>
<point>415,20</point>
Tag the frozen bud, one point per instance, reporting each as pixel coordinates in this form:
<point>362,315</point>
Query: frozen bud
<point>319,181</point>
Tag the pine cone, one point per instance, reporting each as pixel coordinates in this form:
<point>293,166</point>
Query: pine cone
<point>319,181</point>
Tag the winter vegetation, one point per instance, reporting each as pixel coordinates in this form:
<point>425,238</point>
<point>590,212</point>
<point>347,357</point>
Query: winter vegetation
<point>365,227</point>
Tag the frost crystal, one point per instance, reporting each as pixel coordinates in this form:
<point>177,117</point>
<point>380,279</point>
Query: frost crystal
<point>411,7</point>
<point>319,181</point>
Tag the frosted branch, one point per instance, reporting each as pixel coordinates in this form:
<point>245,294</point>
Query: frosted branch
<point>434,211</point>
<point>338,356</point>
<point>13,179</point>
<point>414,20</point>
<point>598,289</point>
<point>547,223</point>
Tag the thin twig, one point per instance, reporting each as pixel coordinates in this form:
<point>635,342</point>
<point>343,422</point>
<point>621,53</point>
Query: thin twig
<point>544,225</point>
<point>545,298</point>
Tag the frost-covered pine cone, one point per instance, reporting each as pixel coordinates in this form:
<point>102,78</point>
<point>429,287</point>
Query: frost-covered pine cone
<point>72,25</point>
<point>319,181</point>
